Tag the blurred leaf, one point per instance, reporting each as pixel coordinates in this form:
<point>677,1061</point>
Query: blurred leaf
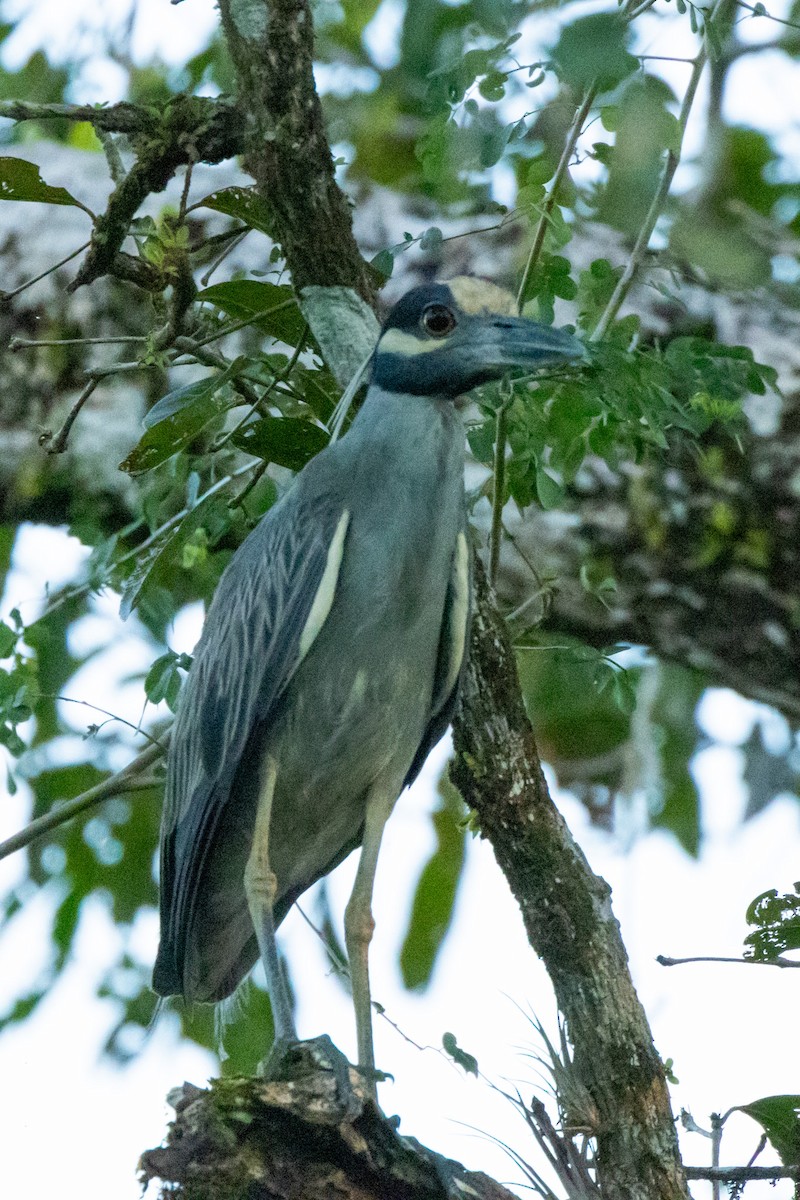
<point>644,128</point>
<point>247,1040</point>
<point>152,568</point>
<point>594,49</point>
<point>434,898</point>
<point>676,807</point>
<point>468,1062</point>
<point>779,1117</point>
<point>580,726</point>
<point>767,774</point>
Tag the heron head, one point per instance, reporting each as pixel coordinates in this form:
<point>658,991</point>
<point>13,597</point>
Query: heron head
<point>441,339</point>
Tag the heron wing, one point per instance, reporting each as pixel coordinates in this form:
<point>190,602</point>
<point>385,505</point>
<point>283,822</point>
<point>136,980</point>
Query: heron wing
<point>452,652</point>
<point>270,605</point>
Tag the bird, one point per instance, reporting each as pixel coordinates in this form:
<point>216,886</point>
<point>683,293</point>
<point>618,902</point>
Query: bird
<point>330,659</point>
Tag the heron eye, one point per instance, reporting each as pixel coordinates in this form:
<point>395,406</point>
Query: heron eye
<point>438,320</point>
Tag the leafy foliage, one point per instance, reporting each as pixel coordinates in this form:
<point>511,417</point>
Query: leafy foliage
<point>777,924</point>
<point>462,98</point>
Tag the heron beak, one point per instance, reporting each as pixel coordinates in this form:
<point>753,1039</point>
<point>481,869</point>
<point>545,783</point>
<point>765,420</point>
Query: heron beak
<point>517,342</point>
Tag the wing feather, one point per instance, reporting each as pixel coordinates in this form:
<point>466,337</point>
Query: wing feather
<point>266,604</point>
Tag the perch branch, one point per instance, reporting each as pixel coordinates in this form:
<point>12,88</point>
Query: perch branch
<point>129,779</point>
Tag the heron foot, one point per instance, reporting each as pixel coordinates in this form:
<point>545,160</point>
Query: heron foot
<point>294,1062</point>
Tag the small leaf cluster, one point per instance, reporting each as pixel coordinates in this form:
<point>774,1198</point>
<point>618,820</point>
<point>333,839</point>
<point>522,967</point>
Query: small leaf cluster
<point>776,918</point>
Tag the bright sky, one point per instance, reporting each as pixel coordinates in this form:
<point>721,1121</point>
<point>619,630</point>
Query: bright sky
<point>731,1031</point>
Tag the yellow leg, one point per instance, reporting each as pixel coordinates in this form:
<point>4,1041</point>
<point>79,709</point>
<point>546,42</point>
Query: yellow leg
<point>260,886</point>
<point>359,926</point>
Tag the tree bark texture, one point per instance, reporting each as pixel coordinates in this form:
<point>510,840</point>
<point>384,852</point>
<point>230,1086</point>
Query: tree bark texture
<point>619,1094</point>
<point>247,1139</point>
<point>286,148</point>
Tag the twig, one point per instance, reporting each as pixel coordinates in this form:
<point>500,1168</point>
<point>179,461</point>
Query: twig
<point>716,1142</point>
<point>115,118</point>
<point>187,183</point>
<point>549,203</point>
<point>741,1174</point>
<point>116,167</point>
<point>33,343</point>
<point>780,961</point>
<point>112,716</point>
<point>60,443</point>
<point>127,780</point>
<point>671,161</point>
<point>238,238</point>
<point>640,8</point>
<point>5,296</point>
<point>758,13</point>
<point>91,585</point>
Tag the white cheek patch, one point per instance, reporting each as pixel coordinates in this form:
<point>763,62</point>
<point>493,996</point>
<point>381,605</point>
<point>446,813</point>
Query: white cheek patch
<point>395,341</point>
<point>326,591</point>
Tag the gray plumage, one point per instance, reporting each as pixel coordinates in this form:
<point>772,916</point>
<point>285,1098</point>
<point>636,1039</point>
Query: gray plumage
<point>330,660</point>
<point>247,694</point>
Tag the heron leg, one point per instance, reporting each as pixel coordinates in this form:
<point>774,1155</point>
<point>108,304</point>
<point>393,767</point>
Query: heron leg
<point>359,926</point>
<point>260,887</point>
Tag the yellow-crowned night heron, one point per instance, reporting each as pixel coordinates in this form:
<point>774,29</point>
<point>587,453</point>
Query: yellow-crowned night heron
<point>330,659</point>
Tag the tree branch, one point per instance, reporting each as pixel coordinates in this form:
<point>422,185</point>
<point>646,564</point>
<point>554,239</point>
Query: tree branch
<point>190,129</point>
<point>248,1137</point>
<point>568,918</point>
<point>780,961</point>
<point>126,118</point>
<point>286,147</point>
<point>741,1174</point>
<point>129,779</point>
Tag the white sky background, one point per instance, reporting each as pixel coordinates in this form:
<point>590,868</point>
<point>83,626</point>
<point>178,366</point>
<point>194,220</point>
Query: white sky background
<point>73,1125</point>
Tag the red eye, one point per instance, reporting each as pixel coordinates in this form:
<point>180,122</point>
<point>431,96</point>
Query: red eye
<point>438,320</point>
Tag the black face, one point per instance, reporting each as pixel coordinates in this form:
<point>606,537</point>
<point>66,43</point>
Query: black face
<point>433,345</point>
<point>411,311</point>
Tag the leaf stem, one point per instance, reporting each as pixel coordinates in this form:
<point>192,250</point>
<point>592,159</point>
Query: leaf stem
<point>673,157</point>
<point>573,134</point>
<point>6,296</point>
<point>129,779</point>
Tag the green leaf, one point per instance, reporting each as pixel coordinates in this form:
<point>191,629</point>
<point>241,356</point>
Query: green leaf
<point>20,180</point>
<point>163,680</point>
<point>779,1117</point>
<point>184,397</point>
<point>155,564</point>
<point>777,921</point>
<point>468,1062</point>
<point>593,50</point>
<point>548,489</point>
<point>244,203</point>
<point>8,639</point>
<point>434,898</point>
<point>288,441</point>
<point>481,440</point>
<point>177,419</point>
<point>269,306</point>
